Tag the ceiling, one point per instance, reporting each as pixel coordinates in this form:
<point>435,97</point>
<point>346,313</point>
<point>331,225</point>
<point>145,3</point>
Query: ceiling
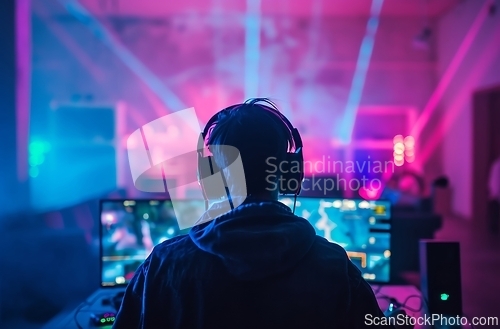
<point>340,8</point>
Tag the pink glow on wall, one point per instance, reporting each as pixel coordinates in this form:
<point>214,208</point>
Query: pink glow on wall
<point>479,70</point>
<point>69,42</point>
<point>450,71</point>
<point>303,68</point>
<point>23,88</point>
<point>463,96</point>
<point>298,8</point>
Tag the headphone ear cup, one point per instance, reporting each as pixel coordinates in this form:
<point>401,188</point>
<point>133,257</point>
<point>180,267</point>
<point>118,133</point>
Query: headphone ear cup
<point>292,174</point>
<point>212,186</point>
<point>204,168</point>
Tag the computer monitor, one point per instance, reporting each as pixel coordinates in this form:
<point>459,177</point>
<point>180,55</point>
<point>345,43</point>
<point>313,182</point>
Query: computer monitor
<point>361,227</point>
<point>131,228</point>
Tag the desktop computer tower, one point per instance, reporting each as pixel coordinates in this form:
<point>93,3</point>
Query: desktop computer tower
<point>440,273</point>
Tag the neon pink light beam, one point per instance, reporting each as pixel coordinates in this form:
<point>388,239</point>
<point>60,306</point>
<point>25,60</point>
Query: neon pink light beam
<point>86,61</point>
<point>168,97</point>
<point>463,96</point>
<point>450,71</point>
<point>358,81</point>
<point>23,87</point>
<point>69,43</point>
<point>252,48</point>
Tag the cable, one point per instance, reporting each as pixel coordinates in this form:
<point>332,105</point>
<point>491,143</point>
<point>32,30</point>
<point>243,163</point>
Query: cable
<point>75,316</point>
<point>410,308</point>
<point>403,305</point>
<point>423,303</point>
<point>294,203</point>
<point>392,300</point>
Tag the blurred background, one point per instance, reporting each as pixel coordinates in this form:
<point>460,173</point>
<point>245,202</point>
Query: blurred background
<point>415,83</point>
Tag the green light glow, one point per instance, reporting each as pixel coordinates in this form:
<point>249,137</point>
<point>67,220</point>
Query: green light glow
<point>39,147</point>
<point>36,147</point>
<point>34,172</point>
<point>36,159</point>
<point>444,296</point>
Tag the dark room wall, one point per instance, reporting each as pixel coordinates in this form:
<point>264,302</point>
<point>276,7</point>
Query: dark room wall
<point>13,193</point>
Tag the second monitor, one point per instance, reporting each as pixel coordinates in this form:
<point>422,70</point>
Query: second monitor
<point>361,227</point>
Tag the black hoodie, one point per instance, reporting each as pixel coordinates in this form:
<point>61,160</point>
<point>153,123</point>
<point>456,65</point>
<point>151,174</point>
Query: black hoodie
<point>258,266</point>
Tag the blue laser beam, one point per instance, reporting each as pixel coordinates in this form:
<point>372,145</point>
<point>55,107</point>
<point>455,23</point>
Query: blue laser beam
<point>359,78</point>
<point>252,48</point>
<point>169,99</point>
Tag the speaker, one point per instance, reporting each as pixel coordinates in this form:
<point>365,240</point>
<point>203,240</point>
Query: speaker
<point>440,277</point>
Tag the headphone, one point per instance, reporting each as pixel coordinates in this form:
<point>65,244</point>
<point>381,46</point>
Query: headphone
<point>291,169</point>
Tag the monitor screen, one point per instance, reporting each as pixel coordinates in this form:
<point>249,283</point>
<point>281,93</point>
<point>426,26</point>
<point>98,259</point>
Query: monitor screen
<point>361,227</point>
<point>131,228</point>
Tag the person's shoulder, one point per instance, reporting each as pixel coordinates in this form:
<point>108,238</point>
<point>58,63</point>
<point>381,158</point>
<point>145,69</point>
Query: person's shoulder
<point>336,254</point>
<point>171,254</point>
<point>173,246</point>
<point>330,248</point>
<point>174,242</point>
<point>330,253</point>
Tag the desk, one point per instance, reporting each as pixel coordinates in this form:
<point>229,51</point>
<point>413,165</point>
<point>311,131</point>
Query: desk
<point>94,304</point>
<point>411,297</point>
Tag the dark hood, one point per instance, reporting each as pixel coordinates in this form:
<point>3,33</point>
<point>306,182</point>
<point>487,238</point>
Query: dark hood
<point>256,240</point>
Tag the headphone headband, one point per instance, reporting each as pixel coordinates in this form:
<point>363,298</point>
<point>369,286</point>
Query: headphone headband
<point>290,173</point>
<point>271,108</point>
